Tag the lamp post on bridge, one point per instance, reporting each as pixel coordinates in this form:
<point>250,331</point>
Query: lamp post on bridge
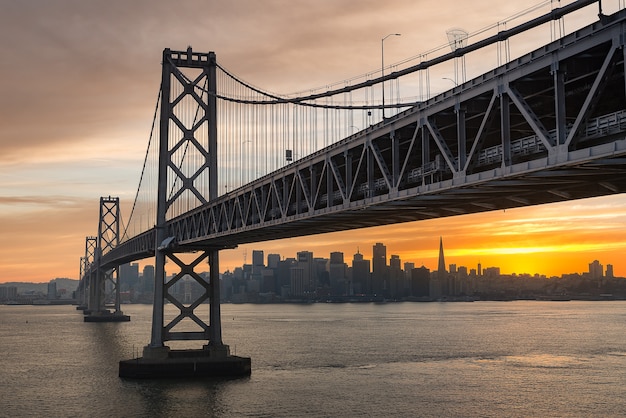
<point>382,65</point>
<point>448,78</point>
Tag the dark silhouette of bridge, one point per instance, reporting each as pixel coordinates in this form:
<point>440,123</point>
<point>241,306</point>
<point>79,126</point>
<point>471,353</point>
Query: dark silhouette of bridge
<point>229,163</point>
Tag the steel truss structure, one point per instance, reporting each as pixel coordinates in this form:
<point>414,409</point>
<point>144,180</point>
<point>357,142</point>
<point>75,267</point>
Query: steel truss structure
<point>86,262</point>
<point>549,126</point>
<point>104,286</point>
<point>178,131</point>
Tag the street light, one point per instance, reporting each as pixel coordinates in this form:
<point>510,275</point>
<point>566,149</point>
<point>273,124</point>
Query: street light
<point>382,66</point>
<point>448,78</point>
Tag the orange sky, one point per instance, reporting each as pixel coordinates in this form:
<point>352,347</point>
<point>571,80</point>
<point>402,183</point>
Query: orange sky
<point>77,90</point>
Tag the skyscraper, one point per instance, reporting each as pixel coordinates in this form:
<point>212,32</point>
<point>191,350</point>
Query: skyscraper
<point>360,274</point>
<point>396,277</point>
<point>148,278</point>
<point>441,267</point>
<point>337,273</point>
<point>305,262</point>
<point>440,286</point>
<point>379,268</point>
<point>273,260</point>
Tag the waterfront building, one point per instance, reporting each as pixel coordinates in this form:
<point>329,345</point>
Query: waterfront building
<point>268,280</point>
<point>379,269</point>
<point>257,265</point>
<point>408,267</point>
<point>420,282</point>
<point>337,274</point>
<point>439,285</point>
<point>147,279</point>
<point>396,277</point>
<point>273,260</point>
<point>52,290</point>
<point>283,276</point>
<point>361,277</point>
<point>306,263</point>
<point>298,281</point>
<point>129,276</point>
<point>595,270</point>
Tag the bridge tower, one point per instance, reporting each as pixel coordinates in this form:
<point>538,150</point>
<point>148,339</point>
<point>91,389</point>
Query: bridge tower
<point>105,282</point>
<point>84,286</point>
<point>188,126</point>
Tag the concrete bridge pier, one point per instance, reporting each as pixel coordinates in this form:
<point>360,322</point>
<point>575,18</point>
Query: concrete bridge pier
<point>99,312</point>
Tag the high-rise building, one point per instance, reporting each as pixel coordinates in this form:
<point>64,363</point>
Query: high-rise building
<point>406,288</point>
<point>268,280</point>
<point>257,265</point>
<point>147,278</point>
<point>283,276</point>
<point>298,281</point>
<point>609,271</point>
<point>440,286</point>
<point>441,267</point>
<point>337,274</point>
<point>379,269</point>
<point>336,257</point>
<point>595,270</point>
<point>305,262</point>
<point>257,258</point>
<point>52,290</point>
<point>420,282</point>
<point>396,277</point>
<point>360,274</point>
<point>273,260</point>
<point>129,276</point>
<point>320,272</point>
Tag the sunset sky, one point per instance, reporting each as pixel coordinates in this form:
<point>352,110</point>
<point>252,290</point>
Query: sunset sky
<point>78,84</point>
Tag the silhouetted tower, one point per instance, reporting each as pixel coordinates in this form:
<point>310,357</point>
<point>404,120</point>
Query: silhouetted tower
<point>337,274</point>
<point>379,268</point>
<point>441,268</point>
<point>420,282</point>
<point>396,276</point>
<point>442,287</point>
<point>360,274</point>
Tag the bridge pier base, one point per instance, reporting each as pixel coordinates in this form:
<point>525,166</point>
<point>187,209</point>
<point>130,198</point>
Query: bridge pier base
<point>105,316</point>
<point>209,362</point>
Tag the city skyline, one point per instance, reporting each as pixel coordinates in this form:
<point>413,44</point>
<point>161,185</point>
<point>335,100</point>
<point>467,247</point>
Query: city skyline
<point>275,278</point>
<point>389,255</point>
<point>78,130</point>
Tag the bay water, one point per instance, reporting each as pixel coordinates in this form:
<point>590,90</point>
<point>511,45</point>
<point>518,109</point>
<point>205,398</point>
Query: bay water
<point>438,359</point>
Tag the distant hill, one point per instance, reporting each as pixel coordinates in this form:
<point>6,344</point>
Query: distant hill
<point>69,285</point>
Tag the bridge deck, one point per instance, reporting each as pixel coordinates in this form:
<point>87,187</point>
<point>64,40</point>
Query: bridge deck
<point>547,127</point>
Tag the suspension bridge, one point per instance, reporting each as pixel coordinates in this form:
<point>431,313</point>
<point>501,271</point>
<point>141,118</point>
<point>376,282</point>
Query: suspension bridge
<point>229,163</point>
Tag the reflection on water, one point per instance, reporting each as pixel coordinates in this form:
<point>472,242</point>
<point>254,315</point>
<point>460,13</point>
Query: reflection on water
<point>537,361</point>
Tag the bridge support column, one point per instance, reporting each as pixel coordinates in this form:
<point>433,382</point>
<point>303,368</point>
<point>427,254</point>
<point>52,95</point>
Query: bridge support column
<point>85,277</point>
<point>215,346</point>
<point>213,359</point>
<point>108,238</point>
